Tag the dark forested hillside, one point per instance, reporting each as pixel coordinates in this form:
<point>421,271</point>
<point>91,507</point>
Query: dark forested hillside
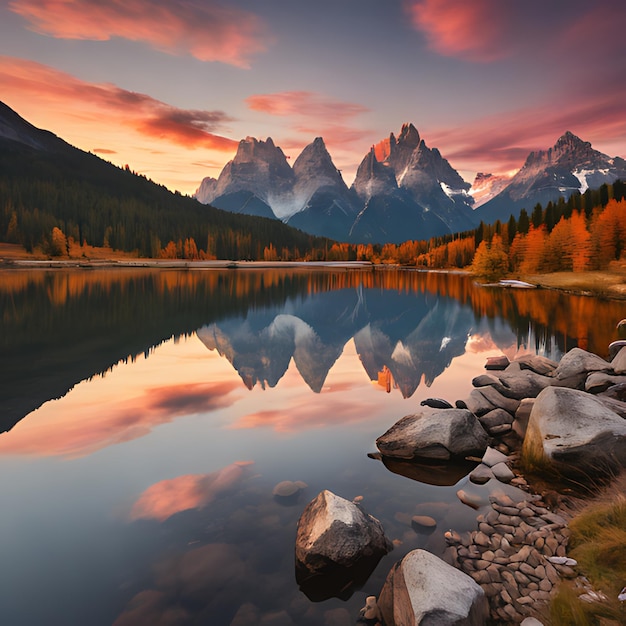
<point>50,192</point>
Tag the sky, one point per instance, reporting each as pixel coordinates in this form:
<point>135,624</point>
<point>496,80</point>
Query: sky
<point>169,87</point>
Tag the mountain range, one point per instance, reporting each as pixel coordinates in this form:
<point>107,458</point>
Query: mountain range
<point>402,190</point>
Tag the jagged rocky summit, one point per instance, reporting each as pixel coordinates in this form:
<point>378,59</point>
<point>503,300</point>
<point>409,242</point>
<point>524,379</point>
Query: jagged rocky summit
<point>569,166</point>
<point>402,190</point>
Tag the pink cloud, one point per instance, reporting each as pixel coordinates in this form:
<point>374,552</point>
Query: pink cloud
<point>208,30</point>
<point>501,143</point>
<point>146,115</point>
<point>124,421</point>
<point>477,30</point>
<point>192,491</point>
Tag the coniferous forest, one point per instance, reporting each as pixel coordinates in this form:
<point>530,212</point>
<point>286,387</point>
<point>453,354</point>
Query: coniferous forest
<point>46,198</point>
<point>52,201</point>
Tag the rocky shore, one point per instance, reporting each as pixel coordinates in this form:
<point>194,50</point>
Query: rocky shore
<point>561,421</point>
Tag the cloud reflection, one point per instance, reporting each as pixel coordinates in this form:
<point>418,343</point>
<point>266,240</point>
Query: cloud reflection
<point>192,491</point>
<point>74,435</point>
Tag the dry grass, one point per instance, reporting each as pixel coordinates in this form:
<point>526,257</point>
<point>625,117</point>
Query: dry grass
<point>608,283</point>
<point>598,543</point>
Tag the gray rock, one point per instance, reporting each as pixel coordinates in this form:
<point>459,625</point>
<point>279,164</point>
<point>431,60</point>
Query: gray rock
<point>481,474</point>
<point>600,381</point>
<point>619,362</point>
<point>615,347</point>
<point>485,380</point>
<point>617,406</point>
<point>502,472</point>
<point>522,415</point>
<point>578,363</point>
<point>333,531</point>
<point>478,404</point>
<point>497,417</point>
<point>616,392</point>
<point>434,434</point>
<point>497,362</point>
<point>537,363</point>
<point>493,457</point>
<point>521,383</point>
<point>424,589</point>
<point>574,433</point>
<point>436,403</point>
<point>498,400</point>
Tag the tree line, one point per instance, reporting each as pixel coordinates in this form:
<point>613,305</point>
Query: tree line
<point>60,201</point>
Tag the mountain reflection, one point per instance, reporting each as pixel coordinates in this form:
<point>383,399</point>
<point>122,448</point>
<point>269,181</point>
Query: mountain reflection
<point>62,326</point>
<point>413,336</point>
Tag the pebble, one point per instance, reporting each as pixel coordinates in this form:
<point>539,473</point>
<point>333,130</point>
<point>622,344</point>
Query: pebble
<point>423,523</point>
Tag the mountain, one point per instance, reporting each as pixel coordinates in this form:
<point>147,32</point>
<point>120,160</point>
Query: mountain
<point>258,181</point>
<point>547,175</point>
<point>487,186</point>
<point>327,207</point>
<point>403,190</point>
<point>47,184</point>
<point>409,192</point>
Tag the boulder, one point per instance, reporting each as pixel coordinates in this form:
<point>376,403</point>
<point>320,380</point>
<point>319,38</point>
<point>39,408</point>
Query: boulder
<point>576,365</point>
<point>537,363</point>
<point>619,362</point>
<point>338,546</point>
<point>616,392</point>
<point>574,433</point>
<point>519,383</point>
<point>615,347</point>
<point>334,531</point>
<point>498,400</point>
<point>600,381</point>
<point>424,589</point>
<point>478,404</point>
<point>617,406</point>
<point>497,362</point>
<point>434,434</point>
<point>493,457</point>
<point>495,418</point>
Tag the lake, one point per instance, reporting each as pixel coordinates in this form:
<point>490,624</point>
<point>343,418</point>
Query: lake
<point>147,416</point>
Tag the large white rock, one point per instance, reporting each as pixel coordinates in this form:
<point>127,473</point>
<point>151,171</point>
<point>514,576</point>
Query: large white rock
<point>333,531</point>
<point>434,434</point>
<point>574,432</point>
<point>423,589</point>
<point>576,364</point>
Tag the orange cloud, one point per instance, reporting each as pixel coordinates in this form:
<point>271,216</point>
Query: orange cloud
<point>476,30</point>
<point>208,30</point>
<point>146,115</point>
<point>73,436</point>
<point>193,491</point>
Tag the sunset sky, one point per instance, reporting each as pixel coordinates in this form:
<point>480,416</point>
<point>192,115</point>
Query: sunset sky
<point>169,87</point>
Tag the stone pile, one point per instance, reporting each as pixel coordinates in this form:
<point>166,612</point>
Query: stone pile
<point>517,554</point>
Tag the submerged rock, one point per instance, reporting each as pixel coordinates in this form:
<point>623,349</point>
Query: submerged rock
<point>337,547</point>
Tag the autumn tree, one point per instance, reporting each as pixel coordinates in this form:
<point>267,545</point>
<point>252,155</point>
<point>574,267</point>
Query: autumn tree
<point>491,261</point>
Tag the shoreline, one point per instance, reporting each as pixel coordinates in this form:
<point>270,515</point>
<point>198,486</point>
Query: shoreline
<point>608,284</point>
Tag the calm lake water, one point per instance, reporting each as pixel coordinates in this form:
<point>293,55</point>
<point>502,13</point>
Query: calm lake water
<point>148,415</point>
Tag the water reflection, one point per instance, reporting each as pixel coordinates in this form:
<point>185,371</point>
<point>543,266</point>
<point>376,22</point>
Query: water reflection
<point>145,495</point>
<point>60,327</point>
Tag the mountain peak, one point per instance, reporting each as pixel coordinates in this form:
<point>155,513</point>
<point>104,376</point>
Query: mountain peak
<point>409,135</point>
